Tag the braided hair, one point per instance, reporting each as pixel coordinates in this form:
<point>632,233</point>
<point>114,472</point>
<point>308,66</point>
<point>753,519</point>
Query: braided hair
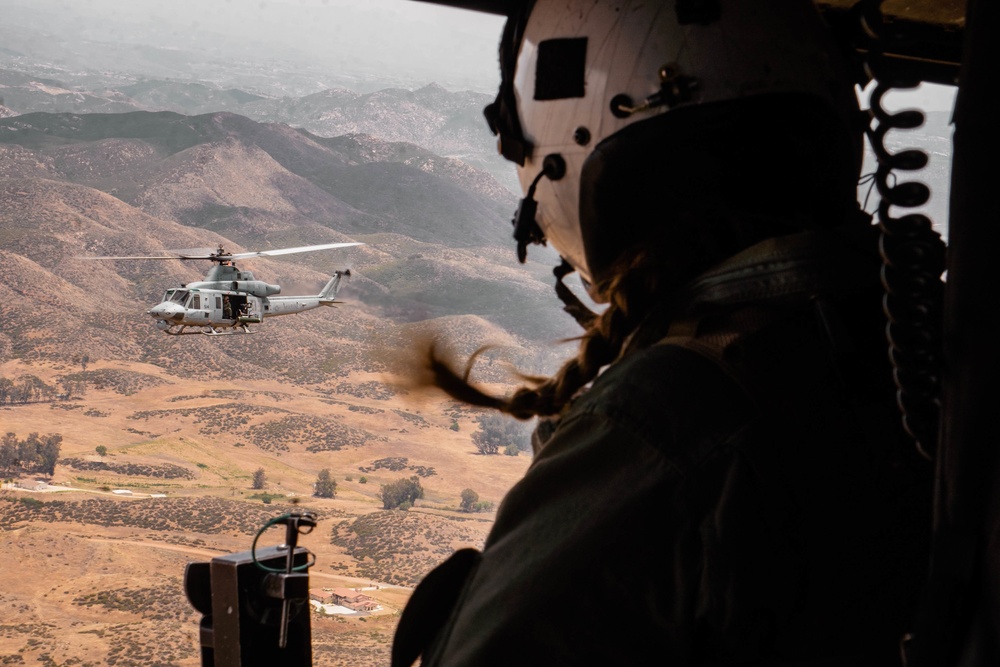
<point>642,291</point>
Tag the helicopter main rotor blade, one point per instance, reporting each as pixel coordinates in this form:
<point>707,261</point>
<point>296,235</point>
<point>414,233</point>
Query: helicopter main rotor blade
<point>144,257</point>
<point>187,253</point>
<point>289,251</point>
<point>221,255</point>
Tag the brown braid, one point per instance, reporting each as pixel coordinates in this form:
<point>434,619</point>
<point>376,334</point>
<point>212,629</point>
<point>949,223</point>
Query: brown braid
<point>642,287</point>
<point>630,294</point>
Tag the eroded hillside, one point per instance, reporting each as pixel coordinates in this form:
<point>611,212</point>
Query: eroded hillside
<point>163,437</point>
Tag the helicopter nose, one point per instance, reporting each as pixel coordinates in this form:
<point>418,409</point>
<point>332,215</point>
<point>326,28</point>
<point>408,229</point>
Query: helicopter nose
<point>167,311</point>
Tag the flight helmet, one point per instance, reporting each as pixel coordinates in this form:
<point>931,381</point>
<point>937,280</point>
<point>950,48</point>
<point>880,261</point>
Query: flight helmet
<point>591,89</point>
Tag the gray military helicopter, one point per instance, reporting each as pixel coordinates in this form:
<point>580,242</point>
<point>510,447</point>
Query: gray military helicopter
<point>230,299</point>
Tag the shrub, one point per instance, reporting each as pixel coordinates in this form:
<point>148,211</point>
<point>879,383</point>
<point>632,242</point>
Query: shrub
<point>403,491</point>
<point>469,500</point>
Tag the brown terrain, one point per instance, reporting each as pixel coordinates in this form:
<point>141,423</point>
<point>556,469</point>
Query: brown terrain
<point>94,577</point>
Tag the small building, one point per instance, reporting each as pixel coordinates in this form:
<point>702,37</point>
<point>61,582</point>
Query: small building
<point>122,492</point>
<point>352,599</point>
<point>33,484</point>
<point>321,595</point>
<point>367,605</point>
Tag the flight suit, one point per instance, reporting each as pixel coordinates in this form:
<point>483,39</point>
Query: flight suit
<point>736,489</point>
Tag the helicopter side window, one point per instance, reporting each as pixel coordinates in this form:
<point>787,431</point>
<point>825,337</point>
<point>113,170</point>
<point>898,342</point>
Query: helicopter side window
<point>195,302</point>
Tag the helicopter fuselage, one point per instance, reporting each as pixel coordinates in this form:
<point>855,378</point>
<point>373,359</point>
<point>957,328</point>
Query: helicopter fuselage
<point>228,300</point>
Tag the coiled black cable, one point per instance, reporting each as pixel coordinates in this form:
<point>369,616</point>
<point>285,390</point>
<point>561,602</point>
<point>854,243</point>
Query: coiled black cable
<point>913,257</point>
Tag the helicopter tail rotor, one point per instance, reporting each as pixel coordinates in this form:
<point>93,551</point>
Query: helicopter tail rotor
<point>328,296</point>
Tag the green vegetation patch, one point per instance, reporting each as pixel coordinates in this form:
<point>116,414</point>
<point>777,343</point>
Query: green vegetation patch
<point>160,603</point>
<point>120,381</point>
<point>364,409</point>
<point>161,471</point>
<point>396,464</point>
<point>316,433</point>
<point>402,547</point>
<point>267,498</point>
<point>373,389</point>
<point>416,420</point>
<point>233,394</point>
<point>229,415</point>
<point>213,420</point>
<point>207,515</point>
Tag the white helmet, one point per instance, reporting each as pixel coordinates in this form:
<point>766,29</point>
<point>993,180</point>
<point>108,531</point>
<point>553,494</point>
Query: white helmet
<point>576,72</point>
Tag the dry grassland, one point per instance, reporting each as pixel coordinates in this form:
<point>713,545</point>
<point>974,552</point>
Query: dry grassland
<point>95,578</point>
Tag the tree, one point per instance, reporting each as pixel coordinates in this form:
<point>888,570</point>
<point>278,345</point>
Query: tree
<point>102,451</point>
<point>326,486</point>
<point>27,450</point>
<point>497,432</point>
<point>469,500</point>
<point>6,390</point>
<point>401,494</point>
<point>31,388</point>
<point>8,452</point>
<point>48,453</point>
<point>71,388</point>
<point>259,478</point>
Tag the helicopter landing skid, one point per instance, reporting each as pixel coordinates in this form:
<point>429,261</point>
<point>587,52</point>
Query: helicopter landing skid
<point>208,331</point>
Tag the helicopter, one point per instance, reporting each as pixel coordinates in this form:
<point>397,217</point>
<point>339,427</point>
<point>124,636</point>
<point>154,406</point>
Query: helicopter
<point>230,299</point>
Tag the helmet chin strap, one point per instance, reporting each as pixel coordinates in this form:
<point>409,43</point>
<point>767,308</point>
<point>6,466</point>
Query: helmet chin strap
<point>526,229</point>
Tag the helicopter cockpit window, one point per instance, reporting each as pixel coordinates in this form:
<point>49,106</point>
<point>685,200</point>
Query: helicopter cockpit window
<point>195,302</point>
<point>177,296</point>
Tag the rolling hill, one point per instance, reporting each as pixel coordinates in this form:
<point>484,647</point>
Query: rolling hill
<point>185,421</point>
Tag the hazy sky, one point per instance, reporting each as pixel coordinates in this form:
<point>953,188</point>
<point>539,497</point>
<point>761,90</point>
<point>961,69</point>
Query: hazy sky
<point>397,39</point>
<point>391,39</point>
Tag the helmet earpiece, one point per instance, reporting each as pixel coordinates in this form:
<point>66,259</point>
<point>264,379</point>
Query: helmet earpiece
<point>526,229</point>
